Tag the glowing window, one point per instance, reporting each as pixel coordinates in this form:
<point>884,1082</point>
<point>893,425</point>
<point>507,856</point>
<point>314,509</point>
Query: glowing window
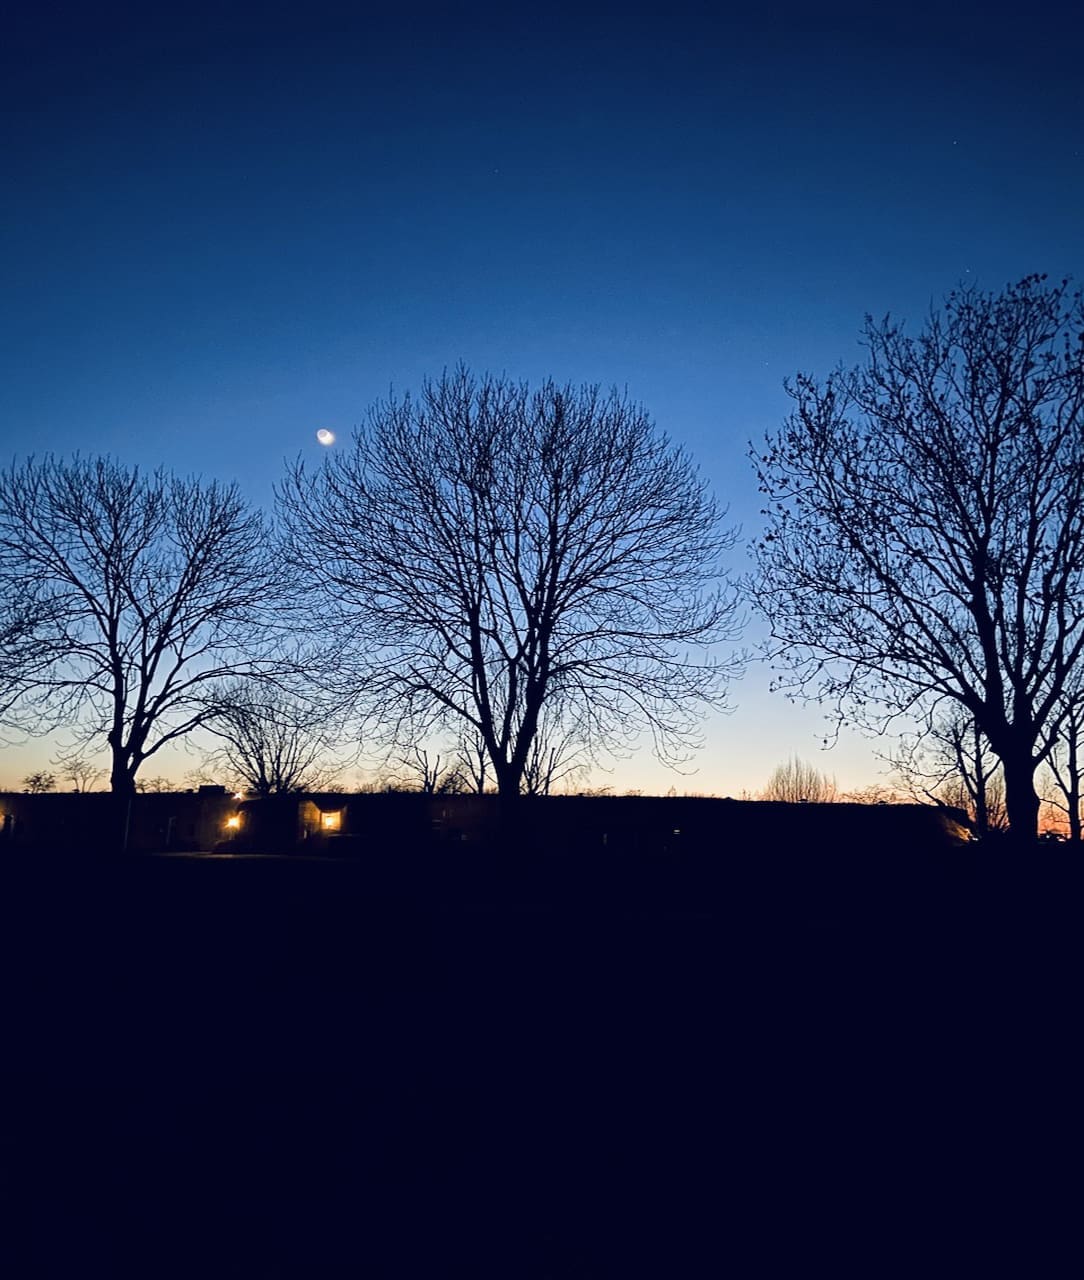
<point>331,821</point>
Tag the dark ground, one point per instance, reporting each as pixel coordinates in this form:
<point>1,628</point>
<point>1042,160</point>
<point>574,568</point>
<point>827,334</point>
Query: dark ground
<point>278,1068</point>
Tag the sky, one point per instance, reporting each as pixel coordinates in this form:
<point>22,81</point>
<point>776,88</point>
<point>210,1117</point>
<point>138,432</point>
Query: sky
<point>227,226</point>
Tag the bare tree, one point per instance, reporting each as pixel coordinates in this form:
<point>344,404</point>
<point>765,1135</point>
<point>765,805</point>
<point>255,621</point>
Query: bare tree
<point>873,793</point>
<point>149,590</point>
<point>156,786</point>
<point>1064,767</point>
<point>951,763</point>
<point>486,551</point>
<point>83,774</point>
<point>379,783</point>
<point>431,773</point>
<point>797,781</point>
<point>925,534</point>
<point>559,753</point>
<point>40,782</point>
<point>272,742</point>
<point>472,759</point>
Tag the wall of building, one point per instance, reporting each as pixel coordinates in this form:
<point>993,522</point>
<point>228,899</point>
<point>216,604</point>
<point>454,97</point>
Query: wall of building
<point>386,823</point>
<point>67,822</point>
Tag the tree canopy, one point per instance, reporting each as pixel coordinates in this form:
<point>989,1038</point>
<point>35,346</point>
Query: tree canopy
<point>489,557</point>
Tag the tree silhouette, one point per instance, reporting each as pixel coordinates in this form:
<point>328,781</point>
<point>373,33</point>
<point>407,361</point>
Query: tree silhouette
<point>472,761</point>
<point>796,781</point>
<point>156,786</point>
<point>925,535</point>
<point>148,591</point>
<point>39,783</point>
<point>950,762</point>
<point>558,753</point>
<point>83,774</point>
<point>271,741</point>
<point>1064,766</point>
<point>487,552</point>
<point>431,773</point>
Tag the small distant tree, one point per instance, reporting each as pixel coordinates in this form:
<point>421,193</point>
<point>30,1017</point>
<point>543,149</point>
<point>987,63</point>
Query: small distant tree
<point>155,786</point>
<point>83,775</point>
<point>559,754</point>
<point>431,773</point>
<point>40,782</point>
<point>271,742</point>
<point>951,763</point>
<point>796,781</point>
<point>546,766</point>
<point>874,793</point>
<point>381,782</point>
<point>473,762</point>
<point>1062,780</point>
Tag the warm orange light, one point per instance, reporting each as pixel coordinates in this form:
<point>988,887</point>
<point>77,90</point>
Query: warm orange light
<point>331,821</point>
<point>234,822</point>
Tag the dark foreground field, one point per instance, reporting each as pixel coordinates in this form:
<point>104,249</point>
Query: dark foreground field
<point>394,1067</point>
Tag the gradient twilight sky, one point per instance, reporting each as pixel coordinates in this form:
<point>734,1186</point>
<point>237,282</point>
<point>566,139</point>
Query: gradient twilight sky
<point>226,226</point>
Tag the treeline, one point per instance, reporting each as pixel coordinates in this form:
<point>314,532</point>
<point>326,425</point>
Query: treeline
<point>537,577</point>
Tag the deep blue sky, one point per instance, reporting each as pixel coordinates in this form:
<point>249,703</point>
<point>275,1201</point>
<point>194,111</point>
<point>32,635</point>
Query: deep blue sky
<point>225,227</point>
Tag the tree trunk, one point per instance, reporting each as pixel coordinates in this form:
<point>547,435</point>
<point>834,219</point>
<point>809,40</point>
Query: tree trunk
<point>1072,798</point>
<point>121,782</point>
<point>509,780</point>
<point>122,785</point>
<point>982,809</point>
<point>509,805</point>
<point>1021,798</point>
